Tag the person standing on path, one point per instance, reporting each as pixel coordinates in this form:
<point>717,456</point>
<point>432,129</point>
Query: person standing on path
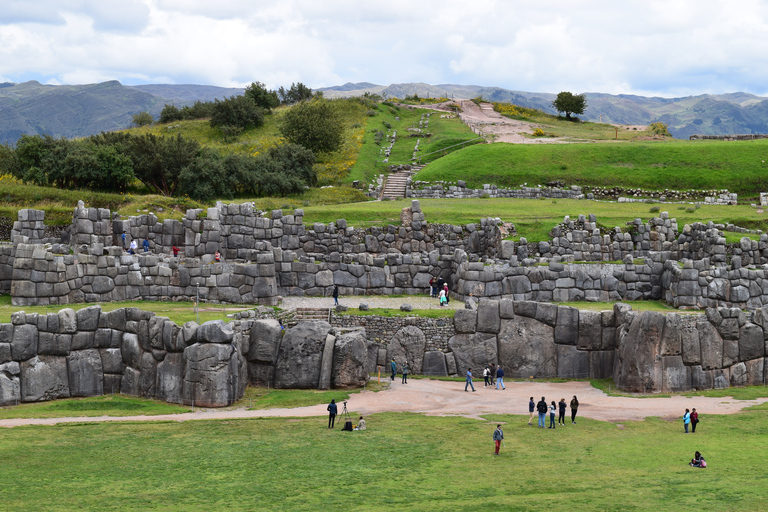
<point>552,412</point>
<point>531,409</point>
<point>469,380</point>
<point>686,419</point>
<point>393,366</point>
<point>432,288</point>
<point>493,374</point>
<point>442,298</point>
<point>486,376</point>
<point>335,295</point>
<point>541,407</point>
<point>498,437</point>
<point>123,237</point>
<point>574,408</point>
<point>500,378</point>
<point>405,372</point>
<point>561,418</point>
<point>332,409</point>
<point>694,420</point>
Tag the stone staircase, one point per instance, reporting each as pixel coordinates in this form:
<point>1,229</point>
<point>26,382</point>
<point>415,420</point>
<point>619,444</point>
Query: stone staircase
<point>306,314</point>
<point>395,185</point>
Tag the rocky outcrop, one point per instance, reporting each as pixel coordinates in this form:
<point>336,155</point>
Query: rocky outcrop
<point>408,344</point>
<point>300,354</point>
<point>211,373</point>
<point>349,360</point>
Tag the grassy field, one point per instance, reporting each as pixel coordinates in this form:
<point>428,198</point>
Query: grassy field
<point>533,218</point>
<point>179,312</point>
<point>401,461</point>
<point>108,405</point>
<point>673,164</point>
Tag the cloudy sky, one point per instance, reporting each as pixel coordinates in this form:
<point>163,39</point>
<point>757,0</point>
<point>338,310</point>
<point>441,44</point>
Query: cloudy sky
<point>650,47</point>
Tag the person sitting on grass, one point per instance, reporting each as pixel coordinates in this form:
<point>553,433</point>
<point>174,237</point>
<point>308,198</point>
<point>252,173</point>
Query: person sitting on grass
<point>360,424</point>
<point>698,461</point>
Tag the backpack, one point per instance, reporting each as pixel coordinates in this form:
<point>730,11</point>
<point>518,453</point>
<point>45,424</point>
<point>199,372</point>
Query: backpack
<point>702,463</point>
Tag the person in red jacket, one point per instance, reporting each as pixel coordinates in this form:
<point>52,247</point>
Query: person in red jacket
<point>694,420</point>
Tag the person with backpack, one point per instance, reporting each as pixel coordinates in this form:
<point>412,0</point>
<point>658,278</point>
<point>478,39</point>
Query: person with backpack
<point>561,418</point>
<point>574,408</point>
<point>541,407</point>
<point>686,420</point>
<point>500,378</point>
<point>694,420</point>
<point>393,366</point>
<point>335,295</point>
<point>531,409</point>
<point>552,412</point>
<point>405,372</point>
<point>498,437</point>
<point>332,410</point>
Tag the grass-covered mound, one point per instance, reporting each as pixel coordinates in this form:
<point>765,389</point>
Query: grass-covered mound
<point>737,166</point>
<point>401,461</point>
<point>533,218</point>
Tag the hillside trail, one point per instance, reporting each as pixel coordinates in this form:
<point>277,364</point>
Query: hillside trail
<point>443,398</point>
<point>483,119</point>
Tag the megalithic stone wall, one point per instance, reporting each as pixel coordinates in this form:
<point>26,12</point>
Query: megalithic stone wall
<point>90,352</point>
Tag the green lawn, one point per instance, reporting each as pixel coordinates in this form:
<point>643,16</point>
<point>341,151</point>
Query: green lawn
<point>108,405</point>
<point>533,218</point>
<point>179,312</point>
<point>673,164</point>
<point>403,461</point>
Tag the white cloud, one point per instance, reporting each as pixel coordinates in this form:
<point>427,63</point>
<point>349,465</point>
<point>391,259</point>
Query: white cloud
<point>671,47</point>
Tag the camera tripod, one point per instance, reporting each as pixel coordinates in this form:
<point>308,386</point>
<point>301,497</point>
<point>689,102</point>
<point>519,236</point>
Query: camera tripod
<point>346,417</point>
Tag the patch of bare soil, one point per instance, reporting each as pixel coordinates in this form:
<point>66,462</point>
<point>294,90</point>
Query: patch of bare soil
<point>439,398</point>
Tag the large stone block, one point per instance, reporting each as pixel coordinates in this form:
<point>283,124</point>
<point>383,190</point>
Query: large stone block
<point>148,374</point>
<point>131,351</point>
<point>129,384</point>
<point>111,360</point>
<point>86,375</point>
<point>638,367</point>
<point>755,372</point>
<point>601,364</point>
<point>264,341</point>
<point>465,321</point>
<point>567,326</point>
<point>434,364</point>
<point>711,345</point>
<point>44,378</point>
<point>300,354</point>
<point>473,351</point>
<point>547,313</point>
<point>676,376</point>
<point>24,344</point>
<point>349,360</point>
<point>88,318</point>
<point>751,342</point>
<point>671,341</point>
<point>527,349</point>
<point>10,386</point>
<point>590,330</point>
<point>408,344</point>
<point>488,319</point>
<point>211,375</point>
<point>169,378</point>
<point>215,331</point>
<point>572,363</point>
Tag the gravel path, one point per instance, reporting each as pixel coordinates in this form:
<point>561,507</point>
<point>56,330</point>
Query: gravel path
<point>439,398</point>
<point>373,301</point>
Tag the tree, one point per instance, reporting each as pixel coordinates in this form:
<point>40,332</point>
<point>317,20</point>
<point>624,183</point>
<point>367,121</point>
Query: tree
<point>570,103</point>
<point>238,111</point>
<point>316,125</point>
<point>143,119</point>
<point>262,97</point>
<point>298,92</point>
<point>170,113</point>
<point>158,161</point>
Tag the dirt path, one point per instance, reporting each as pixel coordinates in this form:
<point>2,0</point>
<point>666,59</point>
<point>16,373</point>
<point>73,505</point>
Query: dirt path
<point>438,398</point>
<point>489,122</point>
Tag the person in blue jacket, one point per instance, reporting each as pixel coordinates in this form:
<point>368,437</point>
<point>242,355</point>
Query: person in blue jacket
<point>531,409</point>
<point>332,409</point>
<point>145,244</point>
<point>393,365</point>
<point>469,380</point>
<point>687,419</point>
<point>500,378</point>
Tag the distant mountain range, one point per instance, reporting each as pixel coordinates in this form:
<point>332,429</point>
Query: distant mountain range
<point>709,114</point>
<point>80,110</point>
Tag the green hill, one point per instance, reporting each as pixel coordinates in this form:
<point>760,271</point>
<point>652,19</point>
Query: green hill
<point>737,166</point>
